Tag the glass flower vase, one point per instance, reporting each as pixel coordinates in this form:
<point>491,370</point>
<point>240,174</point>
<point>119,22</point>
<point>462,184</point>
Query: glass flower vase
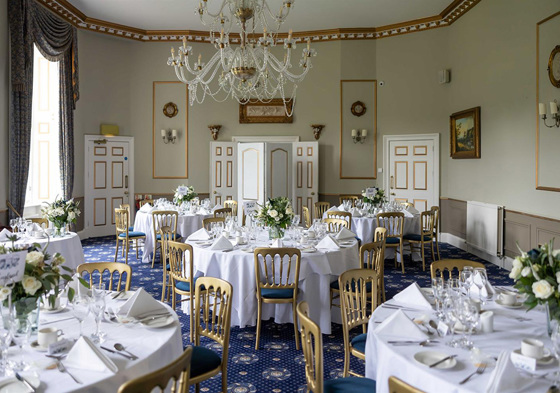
<point>27,308</point>
<point>275,233</point>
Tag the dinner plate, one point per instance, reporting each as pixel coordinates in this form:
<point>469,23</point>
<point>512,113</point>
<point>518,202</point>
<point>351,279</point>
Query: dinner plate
<point>346,242</point>
<point>428,358</point>
<point>546,359</point>
<point>309,250</point>
<point>515,305</point>
<point>52,310</point>
<point>12,385</point>
<point>248,249</point>
<point>159,322</point>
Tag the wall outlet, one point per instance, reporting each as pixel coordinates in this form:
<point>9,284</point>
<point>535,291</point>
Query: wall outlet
<point>379,170</point>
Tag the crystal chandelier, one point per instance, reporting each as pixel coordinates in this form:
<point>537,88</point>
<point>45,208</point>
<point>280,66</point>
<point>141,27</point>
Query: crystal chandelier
<point>247,72</point>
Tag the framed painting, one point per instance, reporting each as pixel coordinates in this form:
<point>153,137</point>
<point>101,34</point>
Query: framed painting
<point>465,133</point>
<point>266,112</point>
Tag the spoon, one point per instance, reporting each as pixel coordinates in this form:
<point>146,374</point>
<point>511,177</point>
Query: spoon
<point>433,324</point>
<point>119,347</point>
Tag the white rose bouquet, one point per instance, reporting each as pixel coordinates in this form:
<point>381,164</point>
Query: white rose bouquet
<point>276,213</point>
<point>61,212</point>
<point>377,199</point>
<point>184,194</point>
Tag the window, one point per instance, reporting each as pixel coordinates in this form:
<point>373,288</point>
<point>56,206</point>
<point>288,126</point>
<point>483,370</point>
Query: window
<point>43,184</point>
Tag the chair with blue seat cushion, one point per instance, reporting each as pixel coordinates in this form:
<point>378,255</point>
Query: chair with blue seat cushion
<point>358,290</point>
<point>162,218</point>
<point>418,241</point>
<point>213,298</point>
<point>127,207</point>
<point>164,236</point>
<point>393,222</point>
<point>397,385</point>
<point>277,275</point>
<point>312,345</point>
<point>124,235</point>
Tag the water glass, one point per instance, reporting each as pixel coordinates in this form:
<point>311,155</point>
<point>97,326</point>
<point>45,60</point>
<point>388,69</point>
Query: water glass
<point>438,286</point>
<point>97,307</point>
<point>20,331</point>
<point>480,280</point>
<point>296,220</point>
<point>80,309</point>
<point>466,280</point>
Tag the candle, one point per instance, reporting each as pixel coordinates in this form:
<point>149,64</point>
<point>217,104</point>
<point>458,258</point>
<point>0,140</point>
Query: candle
<point>184,42</point>
<point>199,58</point>
<point>290,35</point>
<point>172,52</point>
<point>542,109</point>
<point>174,133</point>
<point>264,33</point>
<point>222,35</point>
<point>163,133</point>
<point>354,132</point>
<point>553,107</point>
<point>308,44</point>
<point>364,132</point>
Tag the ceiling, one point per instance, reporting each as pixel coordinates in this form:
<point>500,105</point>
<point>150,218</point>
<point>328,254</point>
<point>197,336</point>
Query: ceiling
<point>307,15</point>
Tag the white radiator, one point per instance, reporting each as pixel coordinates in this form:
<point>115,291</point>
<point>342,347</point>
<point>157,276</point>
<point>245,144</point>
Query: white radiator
<point>485,227</point>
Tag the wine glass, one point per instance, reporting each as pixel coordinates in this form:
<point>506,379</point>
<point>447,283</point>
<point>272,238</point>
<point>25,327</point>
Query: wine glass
<point>449,314</point>
<point>466,280</point>
<point>480,280</point>
<point>467,314</point>
<point>80,309</point>
<point>295,220</point>
<point>97,307</point>
<point>14,224</point>
<point>20,332</point>
<point>438,286</point>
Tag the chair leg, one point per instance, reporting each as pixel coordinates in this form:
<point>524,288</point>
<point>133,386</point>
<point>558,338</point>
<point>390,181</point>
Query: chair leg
<point>402,257</point>
<point>154,254</point>
<point>423,256</point>
<point>259,310</point>
<point>191,319</point>
<point>224,378</point>
<point>117,250</point>
<point>164,288</point>
<point>432,247</point>
<point>197,388</point>
<point>296,330</point>
<point>346,369</point>
<point>127,248</point>
<point>437,248</point>
<point>137,249</point>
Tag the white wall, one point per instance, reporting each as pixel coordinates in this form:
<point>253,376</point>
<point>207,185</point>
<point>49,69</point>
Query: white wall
<point>4,101</point>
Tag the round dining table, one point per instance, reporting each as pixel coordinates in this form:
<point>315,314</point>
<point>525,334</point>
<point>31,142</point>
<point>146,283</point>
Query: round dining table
<point>317,270</point>
<point>154,347</point>
<point>510,327</point>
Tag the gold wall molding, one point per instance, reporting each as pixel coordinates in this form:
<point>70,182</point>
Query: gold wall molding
<point>455,10</point>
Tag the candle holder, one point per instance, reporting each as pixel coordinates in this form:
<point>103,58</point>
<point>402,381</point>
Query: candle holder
<point>215,130</point>
<point>169,136</point>
<point>317,128</point>
<point>359,136</point>
<point>553,113</point>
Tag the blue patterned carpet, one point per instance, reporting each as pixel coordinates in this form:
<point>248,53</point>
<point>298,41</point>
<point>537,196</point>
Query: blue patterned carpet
<point>277,366</point>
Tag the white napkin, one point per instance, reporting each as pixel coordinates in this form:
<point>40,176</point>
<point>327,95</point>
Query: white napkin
<point>36,227</point>
<point>341,208</point>
<point>201,234</point>
<point>399,325</point>
<point>218,206</point>
<point>139,304</point>
<point>147,208</point>
<point>221,243</point>
<point>328,243</point>
<point>407,213</point>
<point>79,288</point>
<point>412,209</point>
<point>4,235</point>
<point>413,296</point>
<point>345,234</point>
<point>505,378</point>
<point>84,354</point>
<point>277,243</point>
<point>333,209</point>
<point>487,290</point>
<point>356,212</point>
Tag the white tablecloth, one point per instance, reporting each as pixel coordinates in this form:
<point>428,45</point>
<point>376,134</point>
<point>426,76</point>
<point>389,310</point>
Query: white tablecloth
<point>154,347</point>
<point>186,224</point>
<point>317,271</point>
<point>384,360</point>
<point>69,246</point>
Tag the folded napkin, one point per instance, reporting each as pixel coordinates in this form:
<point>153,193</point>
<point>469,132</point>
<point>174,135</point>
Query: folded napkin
<point>399,325</point>
<point>333,209</point>
<point>412,209</point>
<point>4,235</point>
<point>486,291</point>
<point>328,243</point>
<point>341,208</point>
<point>201,234</point>
<point>407,213</point>
<point>79,288</point>
<point>221,243</point>
<point>505,377</point>
<point>36,227</point>
<point>84,354</point>
<point>146,208</point>
<point>345,234</point>
<point>140,304</point>
<point>413,296</point>
<point>277,243</point>
<point>218,206</point>
<point>356,212</point>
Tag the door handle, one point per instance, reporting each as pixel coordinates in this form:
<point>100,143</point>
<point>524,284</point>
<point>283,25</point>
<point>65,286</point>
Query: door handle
<point>392,182</point>
<point>126,181</point>
<point>393,194</point>
<point>312,193</point>
<point>126,193</point>
<point>215,192</point>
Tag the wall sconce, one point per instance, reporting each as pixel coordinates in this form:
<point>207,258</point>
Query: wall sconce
<point>215,130</point>
<point>169,136</point>
<point>553,113</point>
<point>317,128</point>
<point>359,136</point>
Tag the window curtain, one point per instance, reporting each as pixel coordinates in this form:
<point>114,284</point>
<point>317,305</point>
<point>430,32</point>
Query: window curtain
<point>57,40</point>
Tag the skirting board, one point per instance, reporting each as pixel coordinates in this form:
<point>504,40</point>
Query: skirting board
<point>503,262</point>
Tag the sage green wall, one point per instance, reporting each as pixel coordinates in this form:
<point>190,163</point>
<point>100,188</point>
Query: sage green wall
<point>4,102</point>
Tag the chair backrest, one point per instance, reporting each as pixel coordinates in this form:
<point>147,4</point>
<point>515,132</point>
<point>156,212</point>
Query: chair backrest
<point>406,205</point>
<point>223,213</point>
<point>355,296</point>
<point>450,265</point>
<point>372,256</point>
<point>114,275</point>
<point>164,218</point>
<point>342,215</point>
<point>277,268</point>
<point>336,224</point>
<point>393,222</point>
<point>127,207</point>
<point>177,371</point>
<point>121,221</point>
<point>427,222</point>
<point>180,260</point>
<point>42,222</point>
<point>142,202</point>
<point>399,386</point>
<point>207,222</point>
<point>435,210</point>
<point>312,346</point>
<point>321,208</point>
<point>353,198</point>
<point>230,203</point>
<point>214,297</point>
<point>380,234</point>
<point>306,217</point>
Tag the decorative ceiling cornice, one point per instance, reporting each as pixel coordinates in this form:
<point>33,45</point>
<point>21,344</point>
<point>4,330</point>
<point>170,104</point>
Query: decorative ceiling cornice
<point>445,18</point>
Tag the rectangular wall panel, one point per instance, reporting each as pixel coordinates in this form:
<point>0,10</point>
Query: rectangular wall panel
<point>310,174</point>
<point>99,211</point>
<point>401,175</point>
<point>117,151</point>
<point>99,151</point>
<point>420,174</point>
<point>218,174</point>
<point>229,173</point>
<point>117,174</point>
<point>421,205</point>
<point>99,175</point>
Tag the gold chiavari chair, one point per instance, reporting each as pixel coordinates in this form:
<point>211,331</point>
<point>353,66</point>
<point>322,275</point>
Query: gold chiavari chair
<point>182,276</point>
<point>223,213</point>
<point>380,234</point>
<point>321,208</point>
<point>406,205</point>
<point>342,215</point>
<point>142,202</point>
<point>124,235</point>
<point>230,203</point>
<point>358,287</point>
<point>435,210</point>
<point>213,296</point>
<point>450,265</point>
<point>399,386</point>
<point>393,222</point>
<point>162,218</point>
<point>115,272</point>
<point>417,242</point>
<point>127,207</point>
<point>336,224</point>
<point>312,345</point>
<point>275,281</point>
<point>165,234</point>
<point>306,217</point>
<point>372,255</point>
<point>353,198</point>
<point>207,222</point>
<point>178,372</point>
<point>42,222</point>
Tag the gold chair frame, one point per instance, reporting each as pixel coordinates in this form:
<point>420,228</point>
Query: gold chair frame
<point>111,267</point>
<point>40,222</point>
<point>397,385</point>
<point>393,222</point>
<point>372,256</point>
<point>161,218</point>
<point>347,216</point>
<point>435,210</point>
<point>336,224</point>
<point>142,202</point>
<point>406,205</point>
<point>121,226</point>
<point>231,204</point>
<point>321,208</point>
<point>207,222</point>
<point>353,198</point>
<point>306,217</point>
<point>273,277</point>
<point>223,213</point>
<point>450,265</point>
<point>380,234</point>
<point>426,236</point>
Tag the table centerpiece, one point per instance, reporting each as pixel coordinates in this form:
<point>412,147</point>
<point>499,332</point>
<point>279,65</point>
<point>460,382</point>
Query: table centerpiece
<point>276,214</point>
<point>61,213</point>
<point>377,199</point>
<point>184,194</point>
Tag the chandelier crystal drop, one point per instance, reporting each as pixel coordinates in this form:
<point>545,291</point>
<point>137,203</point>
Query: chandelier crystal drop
<point>248,71</point>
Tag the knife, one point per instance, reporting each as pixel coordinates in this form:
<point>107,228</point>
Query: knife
<point>25,382</point>
<point>118,294</point>
<point>118,353</point>
<point>441,361</point>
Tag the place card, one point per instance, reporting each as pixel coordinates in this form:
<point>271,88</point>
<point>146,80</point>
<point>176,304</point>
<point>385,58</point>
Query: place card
<point>61,346</point>
<point>523,362</point>
<point>12,267</point>
<point>442,328</point>
<point>182,190</point>
<point>370,192</point>
<point>249,207</point>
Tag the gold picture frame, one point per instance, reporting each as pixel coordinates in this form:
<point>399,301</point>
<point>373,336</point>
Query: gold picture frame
<point>170,109</point>
<point>266,112</point>
<point>465,133</point>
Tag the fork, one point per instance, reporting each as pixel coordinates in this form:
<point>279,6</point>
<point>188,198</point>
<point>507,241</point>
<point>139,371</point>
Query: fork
<point>479,371</point>
<point>61,366</point>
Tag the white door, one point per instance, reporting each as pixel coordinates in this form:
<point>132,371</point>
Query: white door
<point>251,173</point>
<point>223,171</point>
<point>305,170</point>
<point>109,174</point>
<point>412,171</point>
<point>278,170</point>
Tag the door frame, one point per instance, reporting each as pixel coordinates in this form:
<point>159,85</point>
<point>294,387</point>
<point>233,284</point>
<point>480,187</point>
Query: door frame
<point>387,139</point>
<point>89,231</point>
